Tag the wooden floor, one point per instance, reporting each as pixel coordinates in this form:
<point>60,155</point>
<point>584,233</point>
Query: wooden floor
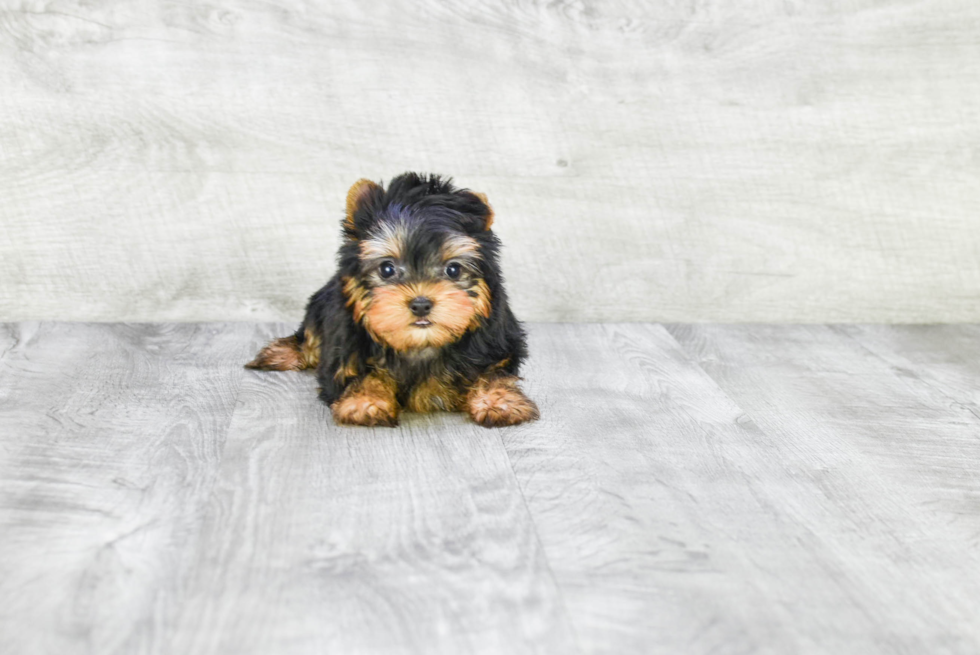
<point>689,489</point>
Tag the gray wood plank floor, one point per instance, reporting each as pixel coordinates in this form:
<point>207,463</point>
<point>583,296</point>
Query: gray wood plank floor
<point>689,489</point>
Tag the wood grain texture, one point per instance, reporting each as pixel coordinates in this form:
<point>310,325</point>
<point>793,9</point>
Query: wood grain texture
<point>689,489</point>
<point>943,357</point>
<point>327,539</point>
<point>894,461</point>
<point>110,441</point>
<point>784,161</point>
<point>678,517</point>
<point>151,501</point>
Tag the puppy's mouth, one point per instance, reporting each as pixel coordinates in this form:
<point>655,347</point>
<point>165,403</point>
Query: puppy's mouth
<point>422,322</point>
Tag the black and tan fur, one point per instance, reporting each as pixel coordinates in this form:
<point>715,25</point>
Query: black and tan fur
<point>421,245</point>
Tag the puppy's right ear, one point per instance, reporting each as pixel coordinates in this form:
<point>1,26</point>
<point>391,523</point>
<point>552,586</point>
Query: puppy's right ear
<point>361,192</point>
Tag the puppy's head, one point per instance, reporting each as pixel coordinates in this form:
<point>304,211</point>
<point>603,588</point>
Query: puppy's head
<point>419,261</point>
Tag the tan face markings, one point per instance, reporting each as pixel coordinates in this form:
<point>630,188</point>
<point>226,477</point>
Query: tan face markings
<point>358,298</point>
<point>386,242</point>
<point>382,306</point>
<point>460,246</point>
<point>389,320</point>
<point>480,294</point>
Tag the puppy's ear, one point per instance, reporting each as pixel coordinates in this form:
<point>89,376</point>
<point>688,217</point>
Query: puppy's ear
<point>480,210</point>
<point>361,191</point>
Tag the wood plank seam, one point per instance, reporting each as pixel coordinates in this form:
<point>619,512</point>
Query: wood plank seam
<point>954,403</point>
<point>544,551</point>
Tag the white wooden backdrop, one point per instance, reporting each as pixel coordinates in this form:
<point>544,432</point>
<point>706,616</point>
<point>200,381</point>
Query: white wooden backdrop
<point>671,161</point>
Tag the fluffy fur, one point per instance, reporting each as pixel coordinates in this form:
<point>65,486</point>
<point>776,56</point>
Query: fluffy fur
<point>416,316</point>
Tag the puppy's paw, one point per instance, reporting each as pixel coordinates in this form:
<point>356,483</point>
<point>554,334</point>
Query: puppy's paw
<point>499,402</point>
<point>363,408</point>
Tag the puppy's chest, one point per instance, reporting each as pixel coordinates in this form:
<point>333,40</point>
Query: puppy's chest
<point>426,387</point>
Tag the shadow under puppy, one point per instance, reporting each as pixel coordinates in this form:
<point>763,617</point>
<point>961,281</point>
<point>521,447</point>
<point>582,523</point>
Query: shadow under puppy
<point>416,316</point>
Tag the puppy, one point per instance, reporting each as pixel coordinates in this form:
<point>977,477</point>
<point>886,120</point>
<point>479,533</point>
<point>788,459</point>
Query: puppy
<point>416,317</point>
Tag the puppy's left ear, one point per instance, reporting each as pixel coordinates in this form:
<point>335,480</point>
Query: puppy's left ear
<point>481,211</point>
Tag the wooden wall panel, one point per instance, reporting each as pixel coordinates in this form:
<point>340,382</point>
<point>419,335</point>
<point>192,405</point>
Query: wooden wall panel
<point>680,161</point>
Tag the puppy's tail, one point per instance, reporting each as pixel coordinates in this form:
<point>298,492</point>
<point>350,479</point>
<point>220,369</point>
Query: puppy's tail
<point>295,353</point>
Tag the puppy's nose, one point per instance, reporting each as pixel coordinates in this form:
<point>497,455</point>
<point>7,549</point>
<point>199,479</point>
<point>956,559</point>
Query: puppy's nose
<point>420,306</point>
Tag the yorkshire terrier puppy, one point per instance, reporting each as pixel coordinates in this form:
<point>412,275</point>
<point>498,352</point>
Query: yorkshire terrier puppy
<point>416,316</point>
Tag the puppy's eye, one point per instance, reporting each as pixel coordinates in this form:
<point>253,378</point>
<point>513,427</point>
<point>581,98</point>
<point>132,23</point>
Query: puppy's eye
<point>453,271</point>
<point>387,270</point>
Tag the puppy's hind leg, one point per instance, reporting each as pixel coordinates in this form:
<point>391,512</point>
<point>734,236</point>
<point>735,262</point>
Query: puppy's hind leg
<point>295,353</point>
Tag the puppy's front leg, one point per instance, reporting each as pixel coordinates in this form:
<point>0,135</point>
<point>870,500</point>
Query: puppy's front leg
<point>496,400</point>
<point>369,401</point>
